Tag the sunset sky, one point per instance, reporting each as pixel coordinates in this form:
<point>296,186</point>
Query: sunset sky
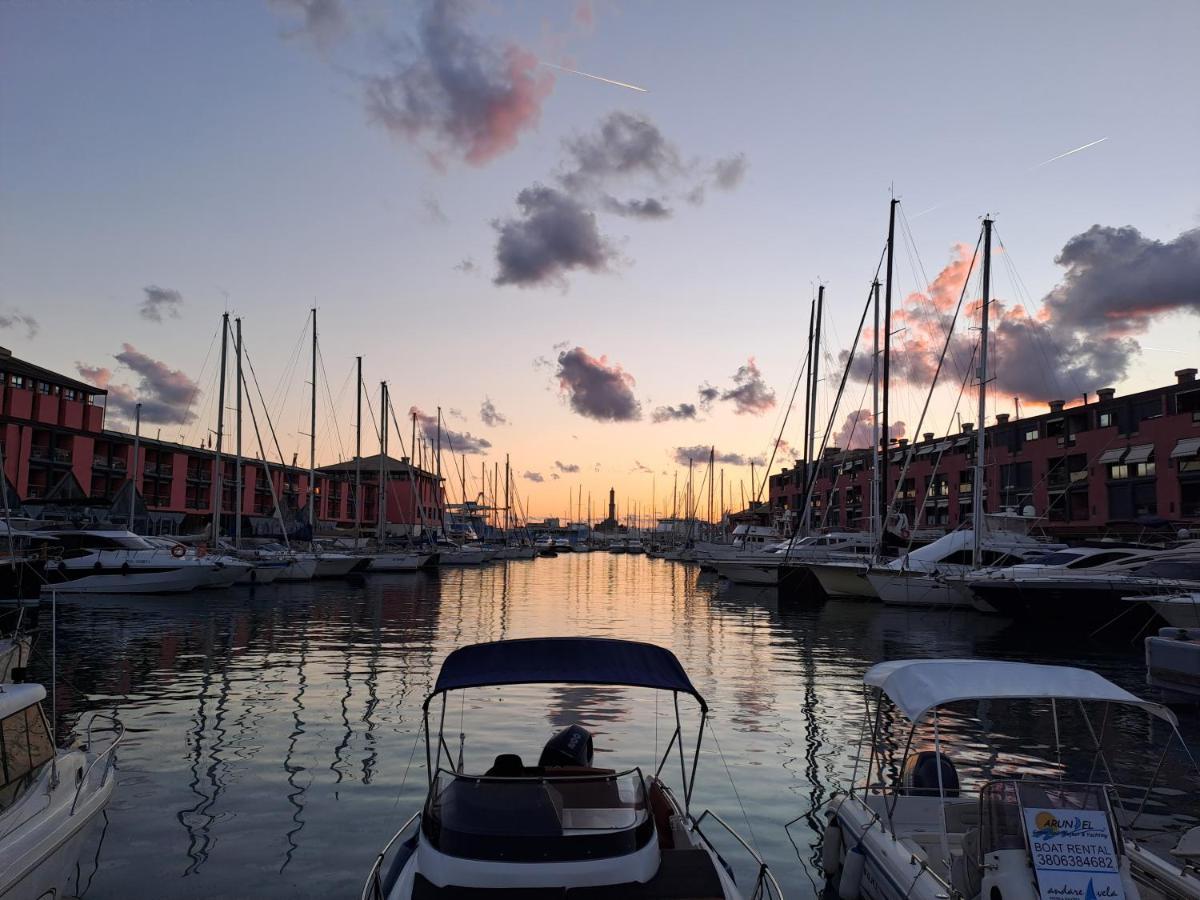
<point>583,275</point>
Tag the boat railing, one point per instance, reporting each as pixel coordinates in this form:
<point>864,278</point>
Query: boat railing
<point>765,885</point>
<point>375,887</point>
<point>107,756</point>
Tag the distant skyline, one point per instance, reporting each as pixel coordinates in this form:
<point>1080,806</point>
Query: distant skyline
<point>591,232</point>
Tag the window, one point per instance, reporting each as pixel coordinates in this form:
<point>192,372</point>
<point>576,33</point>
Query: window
<point>1118,471</point>
<point>1031,434</point>
<point>18,381</point>
<point>1107,419</point>
<point>1189,402</point>
<point>25,747</point>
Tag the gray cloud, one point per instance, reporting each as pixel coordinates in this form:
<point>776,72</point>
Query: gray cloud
<point>160,302</point>
<point>17,318</point>
<point>728,173</point>
<point>166,394</point>
<point>625,146</point>
<point>431,210</point>
<point>750,393</point>
<point>855,432</point>
<point>674,413</point>
<point>467,266</point>
<point>1121,280</point>
<point>641,468</point>
<point>454,93</point>
<point>595,389</point>
<point>699,454</point>
<point>455,413</point>
<point>650,208</point>
<point>708,395</point>
<point>324,22</point>
<point>534,477</point>
<point>569,468</point>
<point>489,415</point>
<point>459,442</point>
<point>553,235</point>
<point>555,476</point>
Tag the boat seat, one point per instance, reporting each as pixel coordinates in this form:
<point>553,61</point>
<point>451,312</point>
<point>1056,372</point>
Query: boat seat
<point>506,765</point>
<point>961,816</point>
<point>661,810</point>
<point>966,871</point>
<point>682,875</point>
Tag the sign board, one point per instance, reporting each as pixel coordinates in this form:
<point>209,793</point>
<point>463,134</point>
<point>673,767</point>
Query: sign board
<point>1073,854</point>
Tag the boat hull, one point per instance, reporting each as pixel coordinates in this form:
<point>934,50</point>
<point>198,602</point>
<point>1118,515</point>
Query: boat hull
<point>137,580</point>
<point>841,582</point>
<point>915,589</point>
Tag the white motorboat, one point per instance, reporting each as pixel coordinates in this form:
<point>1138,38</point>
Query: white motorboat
<point>1067,561</point>
<point>927,576</point>
<point>14,654</point>
<point>635,546</point>
<point>293,567</point>
<point>745,539</point>
<point>844,579</point>
<point>121,562</point>
<point>451,554</point>
<point>1173,662</point>
<point>562,828</point>
<point>562,545</point>
<point>399,561</point>
<point>518,552</point>
<point>1178,610</point>
<point>545,546</point>
<point>915,827</point>
<point>618,546</point>
<point>776,563</point>
<point>226,570</point>
<point>48,797</point>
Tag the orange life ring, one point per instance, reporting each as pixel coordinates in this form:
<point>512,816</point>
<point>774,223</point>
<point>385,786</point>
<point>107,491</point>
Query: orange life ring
<point>179,551</point>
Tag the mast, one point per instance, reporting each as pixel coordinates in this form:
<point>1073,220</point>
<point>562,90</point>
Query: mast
<point>381,532</point>
<point>237,465</point>
<point>133,469</point>
<point>875,507</point>
<point>218,481</point>
<point>358,392</point>
<point>815,368</point>
<point>312,434</point>
<point>441,495</point>
<point>981,445</point>
<point>712,453</point>
<point>808,426</point>
<point>507,517</point>
<point>884,428</point>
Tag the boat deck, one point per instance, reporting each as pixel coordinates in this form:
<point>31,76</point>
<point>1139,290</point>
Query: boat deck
<point>682,875</point>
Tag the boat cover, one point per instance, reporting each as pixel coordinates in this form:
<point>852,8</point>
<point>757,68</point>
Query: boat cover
<point>917,686</point>
<point>564,660</point>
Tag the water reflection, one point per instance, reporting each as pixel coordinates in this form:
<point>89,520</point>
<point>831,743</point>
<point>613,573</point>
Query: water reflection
<point>272,733</point>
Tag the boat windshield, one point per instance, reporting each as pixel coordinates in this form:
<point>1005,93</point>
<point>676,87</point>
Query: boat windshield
<point>1011,810</point>
<point>569,813</point>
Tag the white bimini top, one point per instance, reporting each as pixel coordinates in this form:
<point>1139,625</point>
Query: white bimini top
<point>917,686</point>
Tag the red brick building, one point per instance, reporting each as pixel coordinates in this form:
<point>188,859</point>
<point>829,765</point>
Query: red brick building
<point>59,459</point>
<point>1101,463</point>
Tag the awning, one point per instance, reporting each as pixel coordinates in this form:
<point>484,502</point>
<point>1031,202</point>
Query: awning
<point>964,440</point>
<point>917,686</point>
<point>897,456</point>
<point>1140,454</point>
<point>1185,448</point>
<point>925,451</point>
<point>1109,457</point>
<point>564,660</point>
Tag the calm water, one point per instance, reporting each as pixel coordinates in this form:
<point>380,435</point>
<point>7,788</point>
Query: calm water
<point>272,745</point>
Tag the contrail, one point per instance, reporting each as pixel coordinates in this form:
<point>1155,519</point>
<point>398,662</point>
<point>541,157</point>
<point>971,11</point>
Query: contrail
<point>1069,152</point>
<point>632,87</point>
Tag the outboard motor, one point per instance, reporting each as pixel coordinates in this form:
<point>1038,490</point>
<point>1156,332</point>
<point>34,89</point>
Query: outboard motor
<point>920,775</point>
<point>570,747</point>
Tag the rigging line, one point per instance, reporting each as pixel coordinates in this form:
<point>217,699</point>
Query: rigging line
<point>332,416</point>
<point>911,249</point>
<point>908,458</point>
<point>1019,284</point>
<point>204,365</point>
<point>286,376</point>
<point>262,401</point>
<point>1036,337</point>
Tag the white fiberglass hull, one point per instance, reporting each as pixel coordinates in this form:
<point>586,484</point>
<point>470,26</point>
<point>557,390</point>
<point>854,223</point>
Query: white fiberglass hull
<point>1178,611</point>
<point>299,569</point>
<point>915,589</point>
<point>181,580</point>
<point>335,565</point>
<point>462,558</point>
<point>844,581</point>
<point>40,848</point>
<point>262,573</point>
<point>397,562</point>
<point>750,572</point>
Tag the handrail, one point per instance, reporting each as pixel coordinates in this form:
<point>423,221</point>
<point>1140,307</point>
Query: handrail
<point>108,755</point>
<point>764,879</point>
<point>373,889</point>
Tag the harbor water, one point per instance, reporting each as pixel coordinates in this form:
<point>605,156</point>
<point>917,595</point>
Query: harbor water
<point>273,736</point>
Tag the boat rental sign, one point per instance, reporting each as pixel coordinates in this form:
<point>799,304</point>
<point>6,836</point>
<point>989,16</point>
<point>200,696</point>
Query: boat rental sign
<point>1073,854</point>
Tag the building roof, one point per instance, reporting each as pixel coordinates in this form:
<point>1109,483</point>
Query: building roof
<point>370,466</point>
<point>10,363</point>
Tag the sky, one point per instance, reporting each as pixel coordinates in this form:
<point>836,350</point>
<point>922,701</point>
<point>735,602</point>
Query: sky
<point>598,281</point>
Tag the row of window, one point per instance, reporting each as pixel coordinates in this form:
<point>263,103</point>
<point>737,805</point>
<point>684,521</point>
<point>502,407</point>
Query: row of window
<point>44,387</point>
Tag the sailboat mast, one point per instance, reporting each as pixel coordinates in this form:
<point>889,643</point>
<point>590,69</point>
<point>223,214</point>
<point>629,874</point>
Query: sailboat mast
<point>875,506</point>
<point>884,428</point>
<point>312,433</point>
<point>808,426</point>
<point>217,480</point>
<point>981,438</point>
<point>358,392</point>
<point>381,532</point>
<point>507,517</point>
<point>712,454</point>
<point>441,493</point>
<point>237,466</point>
<point>815,368</point>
